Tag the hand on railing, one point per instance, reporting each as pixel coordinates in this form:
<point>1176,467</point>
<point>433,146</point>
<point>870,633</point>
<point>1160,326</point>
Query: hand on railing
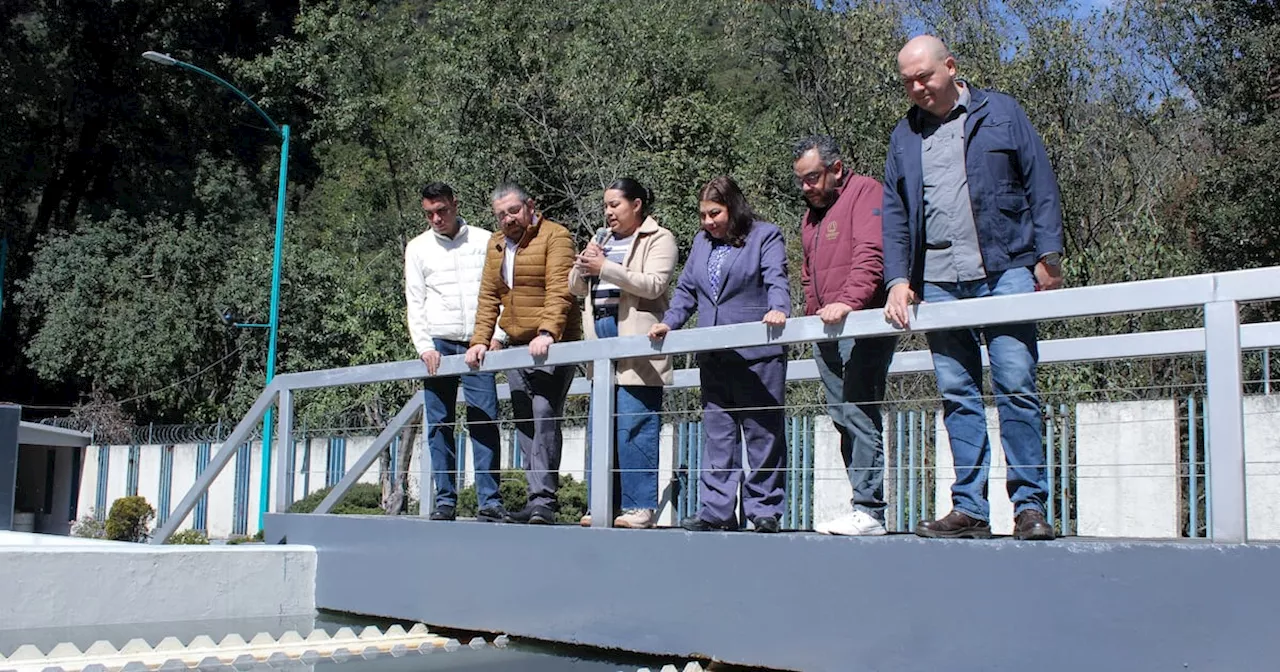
<point>475,356</point>
<point>834,313</point>
<point>658,331</point>
<point>775,318</point>
<point>539,346</point>
<point>897,310</point>
<point>432,359</point>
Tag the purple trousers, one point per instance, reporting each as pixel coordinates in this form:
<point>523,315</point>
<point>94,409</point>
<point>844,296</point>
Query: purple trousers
<point>742,399</point>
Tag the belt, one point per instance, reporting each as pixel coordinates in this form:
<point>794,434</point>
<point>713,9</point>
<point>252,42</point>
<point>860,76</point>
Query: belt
<point>610,311</point>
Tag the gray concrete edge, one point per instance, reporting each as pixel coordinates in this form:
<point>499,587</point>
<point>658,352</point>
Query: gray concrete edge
<point>804,601</point>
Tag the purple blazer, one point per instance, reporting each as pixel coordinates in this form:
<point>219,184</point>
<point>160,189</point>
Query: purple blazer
<point>753,281</point>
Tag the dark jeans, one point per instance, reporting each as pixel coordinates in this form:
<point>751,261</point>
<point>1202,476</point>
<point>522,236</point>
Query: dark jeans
<point>637,434</point>
<point>440,412</point>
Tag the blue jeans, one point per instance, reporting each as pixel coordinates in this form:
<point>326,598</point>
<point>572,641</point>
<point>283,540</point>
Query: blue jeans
<point>637,433</point>
<point>957,363</point>
<point>440,412</point>
<point>853,377</point>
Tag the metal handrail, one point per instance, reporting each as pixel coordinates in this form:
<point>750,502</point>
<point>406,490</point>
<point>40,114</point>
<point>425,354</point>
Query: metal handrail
<point>1219,294</point>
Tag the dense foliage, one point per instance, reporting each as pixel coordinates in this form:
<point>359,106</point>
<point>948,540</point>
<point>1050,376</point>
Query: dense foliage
<point>130,519</point>
<point>137,199</point>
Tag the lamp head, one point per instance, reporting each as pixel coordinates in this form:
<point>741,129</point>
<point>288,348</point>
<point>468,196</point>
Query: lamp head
<point>230,315</point>
<point>157,57</point>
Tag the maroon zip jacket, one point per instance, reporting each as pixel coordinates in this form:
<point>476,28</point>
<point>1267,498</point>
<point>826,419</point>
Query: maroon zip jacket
<point>843,253</point>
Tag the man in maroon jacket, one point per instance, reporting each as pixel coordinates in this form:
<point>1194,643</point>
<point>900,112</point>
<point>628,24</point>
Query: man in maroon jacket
<point>843,272</point>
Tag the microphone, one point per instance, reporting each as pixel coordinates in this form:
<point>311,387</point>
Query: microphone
<point>602,234</point>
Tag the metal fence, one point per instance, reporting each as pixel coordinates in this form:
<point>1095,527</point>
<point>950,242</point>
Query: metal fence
<point>1221,341</point>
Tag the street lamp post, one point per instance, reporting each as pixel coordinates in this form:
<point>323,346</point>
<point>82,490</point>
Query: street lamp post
<point>273,323</point>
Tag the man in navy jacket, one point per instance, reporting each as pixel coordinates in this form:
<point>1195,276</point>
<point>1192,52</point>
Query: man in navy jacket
<point>972,209</point>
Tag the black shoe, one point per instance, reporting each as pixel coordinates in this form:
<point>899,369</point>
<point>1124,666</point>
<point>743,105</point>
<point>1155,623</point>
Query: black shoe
<point>1030,525</point>
<point>954,525</point>
<point>493,514</point>
<point>444,512</point>
<point>542,515</point>
<point>696,524</point>
<point>765,524</point>
<point>533,514</point>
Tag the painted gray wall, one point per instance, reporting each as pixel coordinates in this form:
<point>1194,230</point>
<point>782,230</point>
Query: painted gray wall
<point>803,601</point>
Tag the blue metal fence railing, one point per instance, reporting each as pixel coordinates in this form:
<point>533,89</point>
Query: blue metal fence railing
<point>131,474</point>
<point>100,500</point>
<point>1195,492</point>
<point>517,456</point>
<point>305,468</point>
<point>200,519</point>
<point>240,508</point>
<point>166,484</point>
<point>336,462</point>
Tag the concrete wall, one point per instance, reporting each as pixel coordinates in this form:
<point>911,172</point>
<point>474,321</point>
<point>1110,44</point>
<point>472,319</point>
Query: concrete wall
<point>1262,466</point>
<point>832,493</point>
<point>1127,469</point>
<point>71,582</point>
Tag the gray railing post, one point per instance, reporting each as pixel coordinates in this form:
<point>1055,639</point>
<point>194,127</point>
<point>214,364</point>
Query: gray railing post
<point>217,462</point>
<point>1225,417</point>
<point>284,451</point>
<point>602,410</point>
<point>380,443</point>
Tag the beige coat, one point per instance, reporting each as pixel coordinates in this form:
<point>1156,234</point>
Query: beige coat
<point>643,278</point>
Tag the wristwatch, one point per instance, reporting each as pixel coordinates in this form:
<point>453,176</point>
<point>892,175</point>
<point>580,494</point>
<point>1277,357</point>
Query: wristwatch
<point>544,332</point>
<point>1052,260</point>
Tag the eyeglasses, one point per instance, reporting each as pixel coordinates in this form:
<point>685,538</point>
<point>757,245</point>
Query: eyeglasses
<point>810,179</point>
<point>513,211</point>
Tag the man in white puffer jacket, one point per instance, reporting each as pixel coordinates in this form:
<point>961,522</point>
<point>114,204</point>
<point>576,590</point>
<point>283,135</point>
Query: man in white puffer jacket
<point>442,269</point>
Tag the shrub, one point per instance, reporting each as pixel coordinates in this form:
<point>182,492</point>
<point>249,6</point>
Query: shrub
<point>129,519</point>
<point>468,502</point>
<point>362,498</point>
<point>513,489</point>
<point>89,527</point>
<point>238,539</point>
<point>188,538</point>
<point>572,495</point>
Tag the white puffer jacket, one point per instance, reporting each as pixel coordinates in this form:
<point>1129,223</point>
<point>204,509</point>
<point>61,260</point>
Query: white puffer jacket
<point>442,285</point>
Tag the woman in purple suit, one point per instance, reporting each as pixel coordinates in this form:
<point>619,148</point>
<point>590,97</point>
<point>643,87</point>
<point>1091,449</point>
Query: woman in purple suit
<point>737,272</point>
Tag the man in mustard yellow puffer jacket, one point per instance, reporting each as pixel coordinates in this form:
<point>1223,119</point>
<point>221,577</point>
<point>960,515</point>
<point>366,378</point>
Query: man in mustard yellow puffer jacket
<point>526,275</point>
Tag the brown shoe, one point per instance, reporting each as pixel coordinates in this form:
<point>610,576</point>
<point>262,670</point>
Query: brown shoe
<point>954,525</point>
<point>1030,525</point>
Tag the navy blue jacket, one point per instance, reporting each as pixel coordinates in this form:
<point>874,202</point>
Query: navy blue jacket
<point>753,281</point>
<point>1012,189</point>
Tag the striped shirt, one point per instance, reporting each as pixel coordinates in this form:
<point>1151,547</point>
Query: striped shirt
<point>605,294</point>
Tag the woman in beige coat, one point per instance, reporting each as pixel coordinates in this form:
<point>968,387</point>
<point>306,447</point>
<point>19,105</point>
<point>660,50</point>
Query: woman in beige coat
<point>624,274</point>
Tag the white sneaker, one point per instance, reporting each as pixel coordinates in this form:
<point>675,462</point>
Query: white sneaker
<point>856,524</point>
<point>635,519</point>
